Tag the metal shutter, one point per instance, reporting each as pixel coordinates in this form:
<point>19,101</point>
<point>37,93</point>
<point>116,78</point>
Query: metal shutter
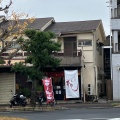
<point>7,83</point>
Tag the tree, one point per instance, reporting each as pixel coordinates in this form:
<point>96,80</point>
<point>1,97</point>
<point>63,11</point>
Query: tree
<point>40,48</point>
<point>12,28</point>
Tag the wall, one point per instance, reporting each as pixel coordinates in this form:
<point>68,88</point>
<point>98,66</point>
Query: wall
<point>88,74</point>
<point>114,3</point>
<point>89,77</point>
<point>115,24</point>
<point>116,76</point>
<point>99,56</point>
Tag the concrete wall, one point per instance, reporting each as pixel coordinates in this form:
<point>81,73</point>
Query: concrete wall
<point>115,24</point>
<point>114,4</point>
<point>116,76</point>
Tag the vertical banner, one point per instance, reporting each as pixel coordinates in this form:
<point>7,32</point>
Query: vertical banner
<point>71,83</point>
<point>47,82</point>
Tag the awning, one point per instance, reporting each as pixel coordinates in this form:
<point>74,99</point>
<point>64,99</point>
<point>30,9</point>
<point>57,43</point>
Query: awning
<point>55,74</point>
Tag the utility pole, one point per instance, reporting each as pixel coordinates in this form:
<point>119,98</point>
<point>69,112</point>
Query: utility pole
<point>109,2</point>
<point>82,73</point>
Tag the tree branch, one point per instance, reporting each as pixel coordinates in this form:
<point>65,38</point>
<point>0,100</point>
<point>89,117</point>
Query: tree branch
<point>6,7</point>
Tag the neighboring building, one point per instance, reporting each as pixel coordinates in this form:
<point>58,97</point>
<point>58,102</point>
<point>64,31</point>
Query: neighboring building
<point>8,79</point>
<point>115,28</point>
<point>78,37</point>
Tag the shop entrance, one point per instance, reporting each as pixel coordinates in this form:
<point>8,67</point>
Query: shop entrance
<point>59,88</point>
<point>58,81</point>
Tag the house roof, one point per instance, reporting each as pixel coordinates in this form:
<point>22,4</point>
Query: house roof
<point>1,16</point>
<point>75,26</point>
<point>38,24</point>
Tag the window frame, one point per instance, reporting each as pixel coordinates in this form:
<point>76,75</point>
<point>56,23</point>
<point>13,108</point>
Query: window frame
<point>84,41</point>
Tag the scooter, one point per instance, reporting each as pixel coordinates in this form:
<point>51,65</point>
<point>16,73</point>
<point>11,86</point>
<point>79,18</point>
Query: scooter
<point>18,100</point>
<point>42,100</point>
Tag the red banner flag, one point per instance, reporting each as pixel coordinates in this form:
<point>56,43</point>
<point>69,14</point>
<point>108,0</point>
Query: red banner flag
<point>47,82</point>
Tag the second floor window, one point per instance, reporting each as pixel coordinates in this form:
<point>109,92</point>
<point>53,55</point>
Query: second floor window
<point>13,44</point>
<point>84,43</point>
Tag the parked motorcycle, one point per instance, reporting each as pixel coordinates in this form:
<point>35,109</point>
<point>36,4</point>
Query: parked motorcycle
<point>18,100</point>
<point>42,100</point>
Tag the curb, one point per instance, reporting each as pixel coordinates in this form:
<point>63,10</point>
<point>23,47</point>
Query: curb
<point>7,109</point>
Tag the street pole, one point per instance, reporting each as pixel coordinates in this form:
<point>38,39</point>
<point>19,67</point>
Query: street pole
<point>109,2</point>
<point>110,40</point>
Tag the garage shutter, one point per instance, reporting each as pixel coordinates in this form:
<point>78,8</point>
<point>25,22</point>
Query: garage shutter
<point>7,83</point>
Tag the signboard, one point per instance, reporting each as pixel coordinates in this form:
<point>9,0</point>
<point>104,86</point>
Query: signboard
<point>47,82</point>
<point>71,83</point>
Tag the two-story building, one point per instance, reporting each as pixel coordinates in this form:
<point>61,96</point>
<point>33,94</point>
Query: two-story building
<point>84,38</point>
<point>79,39</point>
<point>8,79</point>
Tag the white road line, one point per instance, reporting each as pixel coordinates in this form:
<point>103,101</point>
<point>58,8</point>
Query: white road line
<point>114,119</point>
<point>94,119</point>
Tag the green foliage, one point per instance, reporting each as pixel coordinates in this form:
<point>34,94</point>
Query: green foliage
<point>32,72</point>
<point>40,48</point>
<point>19,67</point>
<point>26,92</point>
<point>20,40</point>
<point>2,61</point>
<point>39,88</point>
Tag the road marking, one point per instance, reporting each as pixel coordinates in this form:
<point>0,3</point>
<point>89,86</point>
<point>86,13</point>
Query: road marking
<point>94,119</point>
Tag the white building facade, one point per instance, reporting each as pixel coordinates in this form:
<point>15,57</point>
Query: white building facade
<point>115,29</point>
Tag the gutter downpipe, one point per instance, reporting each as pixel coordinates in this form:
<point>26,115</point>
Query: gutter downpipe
<point>95,67</point>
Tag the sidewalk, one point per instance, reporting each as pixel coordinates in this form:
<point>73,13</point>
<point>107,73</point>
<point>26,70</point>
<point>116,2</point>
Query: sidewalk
<point>60,106</point>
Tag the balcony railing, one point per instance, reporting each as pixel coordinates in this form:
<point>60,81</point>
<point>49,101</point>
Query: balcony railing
<point>68,52</point>
<point>117,48</point>
<point>19,55</point>
<point>118,12</point>
<point>68,57</point>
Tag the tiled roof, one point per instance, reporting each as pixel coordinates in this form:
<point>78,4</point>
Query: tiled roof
<point>1,16</point>
<point>39,23</point>
<point>75,26</point>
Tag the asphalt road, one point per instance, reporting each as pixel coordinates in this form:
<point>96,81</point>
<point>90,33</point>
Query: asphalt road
<point>79,114</point>
<point>87,105</point>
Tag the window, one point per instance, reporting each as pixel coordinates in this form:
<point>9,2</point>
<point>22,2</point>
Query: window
<point>84,42</point>
<point>12,44</point>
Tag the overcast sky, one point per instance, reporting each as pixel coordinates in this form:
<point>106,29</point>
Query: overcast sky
<point>66,10</point>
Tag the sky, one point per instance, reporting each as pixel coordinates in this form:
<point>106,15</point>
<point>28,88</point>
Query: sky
<point>66,10</point>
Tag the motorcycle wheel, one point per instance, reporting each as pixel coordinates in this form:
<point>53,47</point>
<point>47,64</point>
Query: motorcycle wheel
<point>11,105</point>
<point>39,104</point>
<point>24,104</point>
<point>53,103</point>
